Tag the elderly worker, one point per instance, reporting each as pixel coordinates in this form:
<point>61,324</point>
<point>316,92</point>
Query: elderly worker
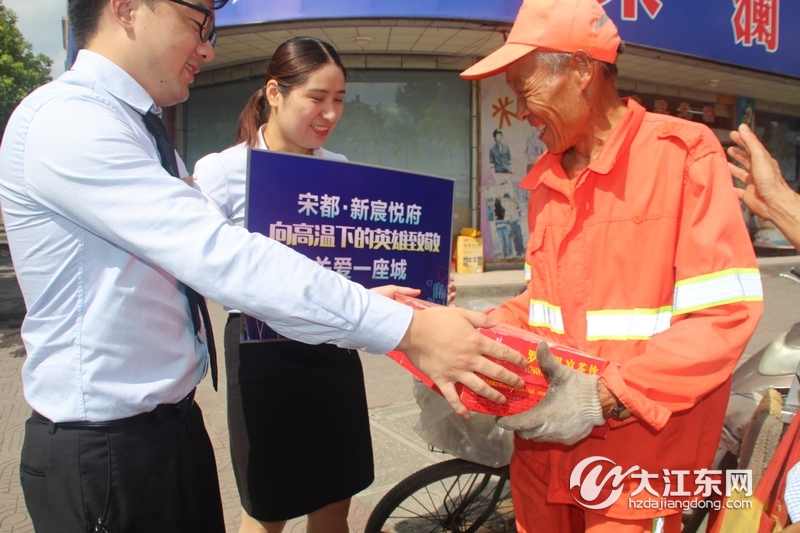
<point>638,254</point>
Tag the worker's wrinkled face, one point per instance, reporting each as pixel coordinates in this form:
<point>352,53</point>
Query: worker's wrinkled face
<point>551,102</point>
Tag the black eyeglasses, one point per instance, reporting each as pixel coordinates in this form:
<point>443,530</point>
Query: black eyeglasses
<point>208,33</point>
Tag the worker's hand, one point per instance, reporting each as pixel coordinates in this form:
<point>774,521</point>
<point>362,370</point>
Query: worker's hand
<point>761,175</point>
<point>569,410</point>
<point>390,290</point>
<point>443,344</point>
<point>451,289</point>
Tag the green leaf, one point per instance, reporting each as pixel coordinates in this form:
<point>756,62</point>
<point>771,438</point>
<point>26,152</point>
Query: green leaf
<point>20,70</point>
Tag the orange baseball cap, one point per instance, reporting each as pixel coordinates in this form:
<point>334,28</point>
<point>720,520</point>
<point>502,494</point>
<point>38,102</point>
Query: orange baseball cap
<point>553,25</point>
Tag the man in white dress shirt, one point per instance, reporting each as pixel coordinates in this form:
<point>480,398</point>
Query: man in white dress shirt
<point>101,234</point>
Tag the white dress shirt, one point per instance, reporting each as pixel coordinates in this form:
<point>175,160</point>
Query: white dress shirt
<point>223,178</point>
<point>100,233</point>
<point>791,493</point>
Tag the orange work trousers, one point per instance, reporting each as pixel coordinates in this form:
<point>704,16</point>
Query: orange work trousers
<point>534,515</point>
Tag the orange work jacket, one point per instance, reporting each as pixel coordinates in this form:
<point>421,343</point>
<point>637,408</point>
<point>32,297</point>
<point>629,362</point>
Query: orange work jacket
<point>646,263</point>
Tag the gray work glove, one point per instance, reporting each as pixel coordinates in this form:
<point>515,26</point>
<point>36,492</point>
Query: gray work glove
<point>569,410</point>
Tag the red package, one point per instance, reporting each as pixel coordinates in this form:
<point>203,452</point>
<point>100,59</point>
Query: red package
<point>525,342</point>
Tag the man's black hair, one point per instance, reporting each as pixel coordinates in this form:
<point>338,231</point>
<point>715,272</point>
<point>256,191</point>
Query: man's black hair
<point>84,16</point>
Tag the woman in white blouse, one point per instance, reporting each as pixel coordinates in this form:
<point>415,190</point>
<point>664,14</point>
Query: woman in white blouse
<point>310,455</point>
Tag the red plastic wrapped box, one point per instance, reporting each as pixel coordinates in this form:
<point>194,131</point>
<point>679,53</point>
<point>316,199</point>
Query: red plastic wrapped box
<point>526,343</point>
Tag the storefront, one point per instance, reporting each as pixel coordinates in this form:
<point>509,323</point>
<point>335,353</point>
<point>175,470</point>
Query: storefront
<point>716,61</point>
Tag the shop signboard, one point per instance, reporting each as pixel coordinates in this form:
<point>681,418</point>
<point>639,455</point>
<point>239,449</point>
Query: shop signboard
<point>373,225</point>
<point>759,34</point>
<point>238,12</point>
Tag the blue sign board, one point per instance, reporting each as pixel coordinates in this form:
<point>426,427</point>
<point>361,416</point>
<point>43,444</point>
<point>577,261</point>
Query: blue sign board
<point>759,34</point>
<point>238,12</point>
<point>373,225</point>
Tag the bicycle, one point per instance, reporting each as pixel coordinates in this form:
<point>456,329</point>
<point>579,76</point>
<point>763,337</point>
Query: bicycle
<point>468,494</point>
<point>456,496</point>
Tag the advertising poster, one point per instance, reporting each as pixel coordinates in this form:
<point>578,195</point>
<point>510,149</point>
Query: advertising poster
<point>746,112</point>
<point>373,225</point>
<point>509,148</point>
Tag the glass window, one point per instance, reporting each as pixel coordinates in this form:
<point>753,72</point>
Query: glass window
<point>780,134</point>
<point>411,120</point>
<point>211,115</point>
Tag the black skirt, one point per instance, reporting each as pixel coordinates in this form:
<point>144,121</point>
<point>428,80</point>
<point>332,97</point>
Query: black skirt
<point>298,425</point>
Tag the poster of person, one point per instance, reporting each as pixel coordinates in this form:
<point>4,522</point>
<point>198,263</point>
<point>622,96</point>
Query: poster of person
<point>746,112</point>
<point>534,147</point>
<point>508,149</point>
<point>373,225</point>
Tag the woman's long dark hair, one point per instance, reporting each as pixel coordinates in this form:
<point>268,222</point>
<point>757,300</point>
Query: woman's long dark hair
<point>291,65</point>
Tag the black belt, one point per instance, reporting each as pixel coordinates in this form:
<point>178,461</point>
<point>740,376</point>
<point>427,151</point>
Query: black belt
<point>161,412</point>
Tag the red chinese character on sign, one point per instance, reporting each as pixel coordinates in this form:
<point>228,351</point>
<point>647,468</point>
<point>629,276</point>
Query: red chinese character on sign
<point>661,106</point>
<point>708,114</point>
<point>630,8</point>
<point>756,21</point>
<point>684,110</point>
<point>503,108</point>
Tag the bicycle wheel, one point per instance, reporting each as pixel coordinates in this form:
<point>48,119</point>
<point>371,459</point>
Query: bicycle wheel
<point>455,496</point>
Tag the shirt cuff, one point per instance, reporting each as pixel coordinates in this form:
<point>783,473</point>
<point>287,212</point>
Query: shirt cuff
<point>643,408</point>
<point>383,326</point>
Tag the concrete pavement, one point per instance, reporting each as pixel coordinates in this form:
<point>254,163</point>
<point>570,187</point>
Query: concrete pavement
<point>393,411</point>
<point>398,450</point>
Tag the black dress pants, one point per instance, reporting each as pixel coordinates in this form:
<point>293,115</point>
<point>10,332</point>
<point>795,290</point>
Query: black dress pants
<point>158,476</point>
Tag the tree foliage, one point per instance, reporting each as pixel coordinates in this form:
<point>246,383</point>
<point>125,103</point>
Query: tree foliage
<point>20,70</point>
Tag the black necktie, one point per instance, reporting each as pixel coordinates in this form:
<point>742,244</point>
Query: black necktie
<point>197,303</point>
